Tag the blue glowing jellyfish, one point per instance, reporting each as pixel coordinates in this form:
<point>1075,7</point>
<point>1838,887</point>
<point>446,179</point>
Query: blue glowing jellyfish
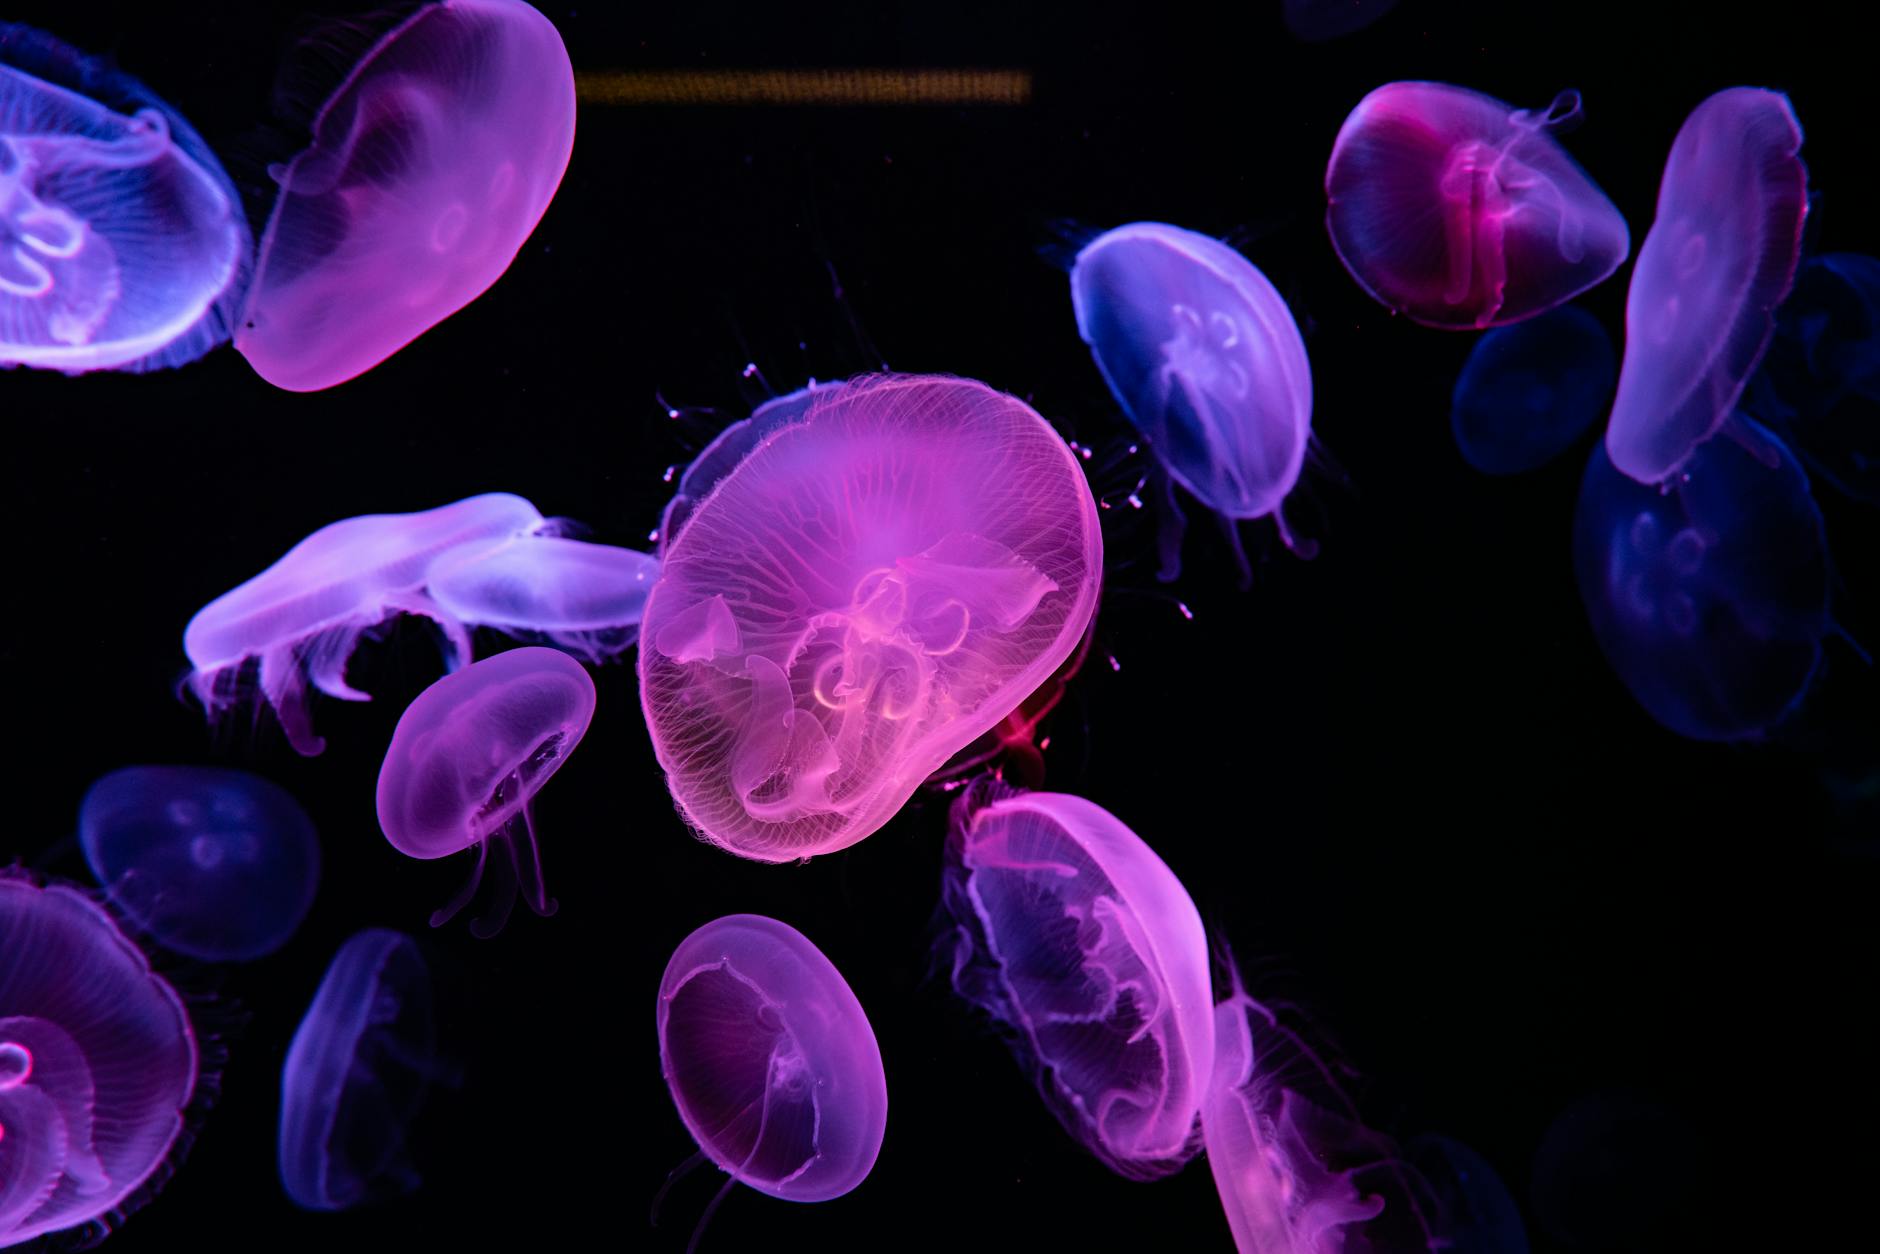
<point>217,864</point>
<point>1709,596</point>
<point>1530,390</point>
<point>356,1073</point>
<point>722,455</point>
<point>585,598</point>
<point>1472,1209</point>
<point>1317,20</point>
<point>122,242</point>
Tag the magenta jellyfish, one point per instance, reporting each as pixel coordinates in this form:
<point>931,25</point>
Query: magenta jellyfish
<point>1530,390</point>
<point>869,591</point>
<point>217,864</point>
<point>1459,211</point>
<point>1071,933</point>
<point>97,1063</point>
<point>122,242</point>
<point>356,1074</point>
<point>585,598</point>
<point>771,1060</point>
<point>731,446</point>
<point>429,167</point>
<point>467,758</point>
<point>1719,258</point>
<point>1205,358</point>
<point>1709,596</point>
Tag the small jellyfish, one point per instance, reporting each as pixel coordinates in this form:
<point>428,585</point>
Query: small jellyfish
<point>1316,20</point>
<point>356,1074</point>
<point>429,167</point>
<point>1206,360</point>
<point>585,598</point>
<point>467,758</point>
<point>122,242</point>
<point>217,864</point>
<point>1719,258</point>
<point>1709,596</point>
<point>771,1060</point>
<point>1530,390</point>
<point>722,455</point>
<point>1461,212</point>
<point>1473,1211</point>
<point>97,1063</point>
<point>1070,932</point>
<point>869,591</point>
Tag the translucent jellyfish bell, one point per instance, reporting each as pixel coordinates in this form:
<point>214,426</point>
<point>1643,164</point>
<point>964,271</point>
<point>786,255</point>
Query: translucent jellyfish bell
<point>722,455</point>
<point>1459,211</point>
<point>869,591</point>
<point>586,598</point>
<point>217,864</point>
<point>1316,20</point>
<point>429,168</point>
<point>122,242</point>
<point>466,759</point>
<point>1530,390</point>
<point>1071,932</point>
<point>97,1062</point>
<point>1474,1212</point>
<point>1719,258</point>
<point>771,1060</point>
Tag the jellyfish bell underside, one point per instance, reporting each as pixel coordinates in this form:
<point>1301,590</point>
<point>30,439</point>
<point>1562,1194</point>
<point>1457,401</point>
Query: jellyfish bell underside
<point>869,591</point>
<point>428,170</point>
<point>1462,212</point>
<point>1529,391</point>
<point>584,598</point>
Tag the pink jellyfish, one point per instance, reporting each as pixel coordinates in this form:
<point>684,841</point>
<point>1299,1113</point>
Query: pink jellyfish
<point>1719,258</point>
<point>1462,212</point>
<point>874,587</point>
<point>466,759</point>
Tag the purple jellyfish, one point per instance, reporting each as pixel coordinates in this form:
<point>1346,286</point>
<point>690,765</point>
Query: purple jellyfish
<point>722,455</point>
<point>466,759</point>
<point>771,1060</point>
<point>1461,212</point>
<point>122,242</point>
<point>868,592</point>
<point>1206,360</point>
<point>1530,390</point>
<point>1709,596</point>
<point>585,598</point>
<point>356,1074</point>
<point>97,1063</point>
<point>1068,930</point>
<point>1316,20</point>
<point>217,864</point>
<point>429,168</point>
<point>1719,258</point>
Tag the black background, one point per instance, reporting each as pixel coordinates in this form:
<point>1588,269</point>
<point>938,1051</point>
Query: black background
<point>1399,777</point>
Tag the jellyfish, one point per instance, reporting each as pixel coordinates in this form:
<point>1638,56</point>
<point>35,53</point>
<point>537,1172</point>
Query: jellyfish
<point>97,1063</point>
<point>585,598</point>
<point>467,758</point>
<point>1070,932</point>
<point>1206,360</point>
<point>1709,596</point>
<point>217,864</point>
<point>356,1073</point>
<point>1474,1213</point>
<point>722,455</point>
<point>771,1060</point>
<point>1719,258</point>
<point>1317,20</point>
<point>1530,390</point>
<point>869,591</point>
<point>429,168</point>
<point>1461,212</point>
<point>122,242</point>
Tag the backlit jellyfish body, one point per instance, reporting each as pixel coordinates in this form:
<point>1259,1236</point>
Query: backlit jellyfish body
<point>1316,20</point>
<point>1709,596</point>
<point>1462,212</point>
<point>466,759</point>
<point>1206,360</point>
<point>1719,259</point>
<point>722,455</point>
<point>356,1074</point>
<point>1068,930</point>
<point>1820,381</point>
<point>122,242</point>
<point>869,591</point>
<point>429,167</point>
<point>1473,1210</point>
<point>1529,391</point>
<point>585,598</point>
<point>771,1060</point>
<point>303,616</point>
<point>97,1063</point>
<point>217,864</point>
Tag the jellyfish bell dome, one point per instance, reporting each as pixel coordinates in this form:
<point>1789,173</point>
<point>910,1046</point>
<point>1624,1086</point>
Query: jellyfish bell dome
<point>586,598</point>
<point>1530,390</point>
<point>731,446</point>
<point>429,167</point>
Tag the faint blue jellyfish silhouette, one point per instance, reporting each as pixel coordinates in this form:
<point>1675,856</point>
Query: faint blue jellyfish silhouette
<point>356,1074</point>
<point>585,598</point>
<point>217,864</point>
<point>731,446</point>
<point>1207,362</point>
<point>1820,381</point>
<point>1528,391</point>
<point>1617,1173</point>
<point>97,1063</point>
<point>1709,597</point>
<point>122,242</point>
<point>1315,20</point>
<point>1473,1211</point>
